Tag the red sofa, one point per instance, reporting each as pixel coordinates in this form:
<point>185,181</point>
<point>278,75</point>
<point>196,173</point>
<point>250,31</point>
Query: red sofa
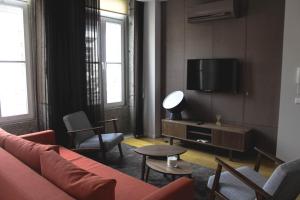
<point>19,181</point>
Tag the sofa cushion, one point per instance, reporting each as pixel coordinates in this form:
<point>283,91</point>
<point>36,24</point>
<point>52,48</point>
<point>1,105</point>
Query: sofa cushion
<point>126,185</point>
<point>26,151</point>
<point>75,181</point>
<point>3,136</point>
<point>18,181</point>
<point>110,140</point>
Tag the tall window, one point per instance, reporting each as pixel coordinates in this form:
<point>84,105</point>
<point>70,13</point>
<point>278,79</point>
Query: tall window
<point>113,60</point>
<point>15,87</point>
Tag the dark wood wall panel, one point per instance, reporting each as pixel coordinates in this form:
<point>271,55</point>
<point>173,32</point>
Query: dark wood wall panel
<point>198,106</point>
<point>175,41</point>
<point>255,39</point>
<point>229,42</point>
<point>264,56</point>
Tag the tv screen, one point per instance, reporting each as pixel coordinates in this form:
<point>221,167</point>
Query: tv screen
<point>213,75</point>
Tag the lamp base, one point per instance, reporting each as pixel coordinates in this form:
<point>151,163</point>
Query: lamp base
<point>175,116</point>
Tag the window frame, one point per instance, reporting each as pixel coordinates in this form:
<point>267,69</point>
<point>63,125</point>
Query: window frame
<point>120,21</point>
<point>28,64</point>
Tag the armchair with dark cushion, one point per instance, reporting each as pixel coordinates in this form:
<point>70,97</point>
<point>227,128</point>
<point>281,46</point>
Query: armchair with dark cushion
<point>245,183</point>
<point>84,137</point>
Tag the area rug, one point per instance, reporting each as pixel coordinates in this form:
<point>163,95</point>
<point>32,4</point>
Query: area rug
<point>131,165</point>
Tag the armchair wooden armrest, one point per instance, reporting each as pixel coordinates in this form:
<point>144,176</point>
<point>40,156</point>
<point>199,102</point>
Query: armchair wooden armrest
<point>108,121</point>
<point>267,155</point>
<point>113,121</point>
<point>260,193</point>
<point>96,129</point>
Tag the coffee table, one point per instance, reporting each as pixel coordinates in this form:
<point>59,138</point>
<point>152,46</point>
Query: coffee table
<point>157,151</point>
<point>182,169</point>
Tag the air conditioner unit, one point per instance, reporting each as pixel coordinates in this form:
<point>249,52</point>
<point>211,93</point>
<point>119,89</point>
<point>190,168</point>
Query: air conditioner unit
<point>214,10</point>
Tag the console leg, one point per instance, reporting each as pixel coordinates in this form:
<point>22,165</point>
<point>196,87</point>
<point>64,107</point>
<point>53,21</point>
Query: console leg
<point>171,141</point>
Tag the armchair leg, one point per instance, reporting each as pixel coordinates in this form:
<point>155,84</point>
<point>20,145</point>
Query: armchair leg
<point>120,150</point>
<point>216,182</point>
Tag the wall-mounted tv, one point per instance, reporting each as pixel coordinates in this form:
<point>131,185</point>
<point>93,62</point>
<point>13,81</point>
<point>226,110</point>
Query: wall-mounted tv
<point>213,75</point>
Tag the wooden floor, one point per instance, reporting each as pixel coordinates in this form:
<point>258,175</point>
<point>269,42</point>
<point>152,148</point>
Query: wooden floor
<point>205,157</point>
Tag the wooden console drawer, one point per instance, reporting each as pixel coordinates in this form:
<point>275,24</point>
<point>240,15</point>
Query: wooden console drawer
<point>230,140</point>
<point>174,129</point>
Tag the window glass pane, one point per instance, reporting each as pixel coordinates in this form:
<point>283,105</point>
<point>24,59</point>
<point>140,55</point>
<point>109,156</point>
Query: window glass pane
<point>13,89</point>
<point>12,47</point>
<point>114,83</point>
<point>113,42</point>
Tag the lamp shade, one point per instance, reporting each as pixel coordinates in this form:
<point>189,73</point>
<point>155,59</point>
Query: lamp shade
<point>174,103</point>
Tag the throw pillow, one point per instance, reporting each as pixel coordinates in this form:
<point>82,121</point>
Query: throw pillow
<point>26,151</point>
<point>75,181</point>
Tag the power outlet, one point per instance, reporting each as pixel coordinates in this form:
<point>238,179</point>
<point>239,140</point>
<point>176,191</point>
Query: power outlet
<point>297,100</point>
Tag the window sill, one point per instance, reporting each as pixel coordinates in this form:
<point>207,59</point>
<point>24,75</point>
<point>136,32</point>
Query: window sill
<point>115,107</point>
<point>16,120</point>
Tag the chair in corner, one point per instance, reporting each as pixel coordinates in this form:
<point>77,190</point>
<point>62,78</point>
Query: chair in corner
<point>245,183</point>
<point>84,137</point>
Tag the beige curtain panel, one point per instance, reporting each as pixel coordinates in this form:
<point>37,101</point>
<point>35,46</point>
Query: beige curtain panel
<point>118,6</point>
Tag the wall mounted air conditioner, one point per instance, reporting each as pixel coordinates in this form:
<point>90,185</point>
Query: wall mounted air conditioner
<point>214,10</point>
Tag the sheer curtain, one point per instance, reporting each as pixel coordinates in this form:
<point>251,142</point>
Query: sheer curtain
<point>95,105</point>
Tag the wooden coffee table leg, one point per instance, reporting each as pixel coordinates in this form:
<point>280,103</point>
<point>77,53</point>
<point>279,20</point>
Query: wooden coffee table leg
<point>147,174</point>
<point>143,167</point>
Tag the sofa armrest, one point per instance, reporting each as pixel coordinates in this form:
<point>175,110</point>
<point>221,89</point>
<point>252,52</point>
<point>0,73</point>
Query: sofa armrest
<point>182,188</point>
<point>42,137</point>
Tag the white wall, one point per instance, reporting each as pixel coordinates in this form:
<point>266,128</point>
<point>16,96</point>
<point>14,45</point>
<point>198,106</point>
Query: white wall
<point>288,141</point>
<point>152,69</point>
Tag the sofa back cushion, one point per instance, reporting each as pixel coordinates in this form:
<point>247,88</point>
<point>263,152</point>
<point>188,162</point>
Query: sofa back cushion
<point>20,182</point>
<point>79,121</point>
<point>75,181</point>
<point>281,184</point>
<point>26,151</point>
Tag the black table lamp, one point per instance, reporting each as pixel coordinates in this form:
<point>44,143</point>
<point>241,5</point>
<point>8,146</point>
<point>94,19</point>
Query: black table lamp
<point>174,103</point>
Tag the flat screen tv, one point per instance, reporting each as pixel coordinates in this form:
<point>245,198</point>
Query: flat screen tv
<point>213,75</point>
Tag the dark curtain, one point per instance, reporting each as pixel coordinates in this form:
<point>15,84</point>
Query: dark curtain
<point>72,67</point>
<point>138,66</point>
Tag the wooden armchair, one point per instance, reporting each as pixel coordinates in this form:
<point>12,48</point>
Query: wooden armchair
<point>246,183</point>
<point>84,137</point>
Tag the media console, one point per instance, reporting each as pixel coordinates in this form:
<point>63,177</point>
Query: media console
<point>232,138</point>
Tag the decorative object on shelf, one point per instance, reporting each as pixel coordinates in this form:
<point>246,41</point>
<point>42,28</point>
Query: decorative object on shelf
<point>202,141</point>
<point>218,122</point>
<point>172,161</point>
<point>174,103</point>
